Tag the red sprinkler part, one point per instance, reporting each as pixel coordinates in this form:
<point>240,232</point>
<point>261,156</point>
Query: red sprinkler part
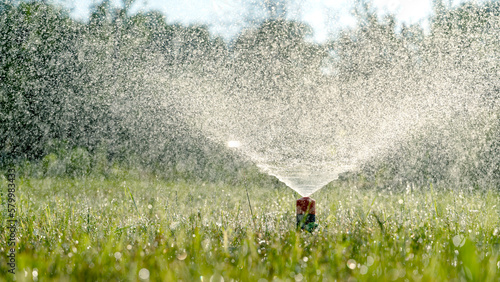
<point>306,213</point>
<point>306,205</point>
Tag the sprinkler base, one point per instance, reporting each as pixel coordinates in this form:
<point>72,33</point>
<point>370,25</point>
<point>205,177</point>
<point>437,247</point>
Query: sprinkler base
<point>306,214</point>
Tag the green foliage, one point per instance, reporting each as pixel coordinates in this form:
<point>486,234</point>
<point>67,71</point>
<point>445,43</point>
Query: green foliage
<point>85,85</point>
<point>459,51</point>
<point>274,60</point>
<point>75,162</point>
<point>32,73</point>
<point>112,87</point>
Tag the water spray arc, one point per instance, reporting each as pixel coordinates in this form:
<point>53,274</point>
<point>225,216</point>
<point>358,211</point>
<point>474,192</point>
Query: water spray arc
<point>306,206</point>
<point>402,107</point>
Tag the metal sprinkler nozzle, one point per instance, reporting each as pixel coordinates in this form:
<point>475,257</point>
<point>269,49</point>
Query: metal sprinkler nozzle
<point>306,214</point>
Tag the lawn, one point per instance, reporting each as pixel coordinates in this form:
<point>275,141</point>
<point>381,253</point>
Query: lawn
<point>132,226</point>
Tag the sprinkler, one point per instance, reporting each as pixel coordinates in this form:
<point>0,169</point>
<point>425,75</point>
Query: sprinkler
<point>306,214</point>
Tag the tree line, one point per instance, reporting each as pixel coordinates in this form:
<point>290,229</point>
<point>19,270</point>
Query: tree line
<point>110,87</point>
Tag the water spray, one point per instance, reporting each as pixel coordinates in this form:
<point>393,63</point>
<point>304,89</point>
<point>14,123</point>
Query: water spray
<point>306,214</point>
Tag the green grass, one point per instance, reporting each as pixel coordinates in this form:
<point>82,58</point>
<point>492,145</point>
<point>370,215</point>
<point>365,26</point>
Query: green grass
<point>116,228</point>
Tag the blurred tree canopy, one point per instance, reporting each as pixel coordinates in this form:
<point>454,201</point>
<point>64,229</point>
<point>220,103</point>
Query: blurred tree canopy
<point>107,84</point>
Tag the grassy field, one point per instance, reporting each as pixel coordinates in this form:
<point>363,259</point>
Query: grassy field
<point>133,226</point>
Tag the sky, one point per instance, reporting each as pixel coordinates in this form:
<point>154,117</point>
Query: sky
<point>227,17</point>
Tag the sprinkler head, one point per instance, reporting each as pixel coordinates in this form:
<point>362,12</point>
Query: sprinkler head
<point>306,214</point>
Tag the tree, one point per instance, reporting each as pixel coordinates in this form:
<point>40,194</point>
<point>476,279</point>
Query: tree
<point>36,75</point>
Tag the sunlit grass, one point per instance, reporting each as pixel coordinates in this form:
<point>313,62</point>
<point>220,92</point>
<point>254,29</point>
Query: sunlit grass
<point>134,226</point>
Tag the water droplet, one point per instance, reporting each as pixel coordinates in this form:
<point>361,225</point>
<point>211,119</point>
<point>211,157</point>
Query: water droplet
<point>233,144</point>
<point>174,225</point>
<point>459,240</point>
<point>370,260</point>
<point>351,264</point>
<point>182,256</point>
<point>144,274</point>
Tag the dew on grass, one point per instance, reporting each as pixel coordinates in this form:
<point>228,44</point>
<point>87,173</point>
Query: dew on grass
<point>370,260</point>
<point>182,256</point>
<point>351,263</point>
<point>174,225</point>
<point>459,240</point>
<point>144,274</point>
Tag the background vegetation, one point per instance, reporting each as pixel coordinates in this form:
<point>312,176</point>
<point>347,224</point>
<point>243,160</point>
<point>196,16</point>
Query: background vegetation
<point>92,94</point>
